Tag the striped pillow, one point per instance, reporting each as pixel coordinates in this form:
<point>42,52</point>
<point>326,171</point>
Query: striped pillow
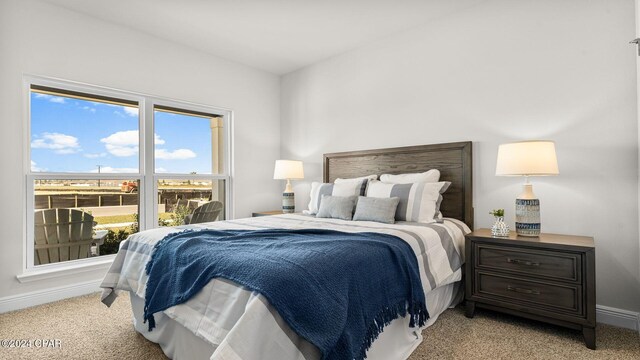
<point>344,188</point>
<point>419,202</point>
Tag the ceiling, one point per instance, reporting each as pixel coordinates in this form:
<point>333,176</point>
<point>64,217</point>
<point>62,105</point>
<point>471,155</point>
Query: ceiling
<point>278,36</point>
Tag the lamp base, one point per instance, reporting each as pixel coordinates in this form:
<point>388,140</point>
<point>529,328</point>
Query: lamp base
<point>288,203</point>
<point>528,217</point>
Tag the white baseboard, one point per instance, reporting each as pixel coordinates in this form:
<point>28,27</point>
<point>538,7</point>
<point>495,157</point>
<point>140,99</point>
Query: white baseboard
<point>618,317</point>
<point>21,301</point>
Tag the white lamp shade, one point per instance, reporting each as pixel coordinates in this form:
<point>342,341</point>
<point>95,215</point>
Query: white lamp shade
<point>288,170</point>
<point>531,158</point>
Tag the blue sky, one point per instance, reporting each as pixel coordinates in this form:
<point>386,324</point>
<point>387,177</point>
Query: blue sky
<point>72,135</point>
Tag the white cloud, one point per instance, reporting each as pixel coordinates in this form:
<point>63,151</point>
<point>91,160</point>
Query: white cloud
<point>112,170</point>
<point>179,154</point>
<point>122,143</point>
<point>59,143</point>
<point>93,156</point>
<point>53,99</point>
<point>66,151</point>
<point>161,170</point>
<point>125,143</point>
<point>131,111</point>
<point>35,168</point>
<point>158,140</point>
<point>88,108</point>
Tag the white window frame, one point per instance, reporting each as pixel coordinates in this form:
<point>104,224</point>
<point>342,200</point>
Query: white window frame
<point>181,105</point>
<point>147,192</point>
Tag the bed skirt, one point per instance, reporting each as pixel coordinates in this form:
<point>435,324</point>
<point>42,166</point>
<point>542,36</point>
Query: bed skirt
<point>397,341</point>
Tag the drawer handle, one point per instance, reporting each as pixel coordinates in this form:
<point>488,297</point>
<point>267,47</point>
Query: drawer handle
<point>523,262</point>
<point>522,290</point>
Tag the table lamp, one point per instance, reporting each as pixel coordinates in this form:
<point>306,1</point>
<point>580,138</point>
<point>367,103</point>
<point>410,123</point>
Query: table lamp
<point>527,158</point>
<point>288,170</point>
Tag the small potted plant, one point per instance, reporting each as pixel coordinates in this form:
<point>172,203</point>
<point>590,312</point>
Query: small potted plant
<point>499,228</point>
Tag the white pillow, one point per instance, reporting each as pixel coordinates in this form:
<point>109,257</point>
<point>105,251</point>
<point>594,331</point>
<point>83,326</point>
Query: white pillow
<point>419,202</point>
<point>368,177</point>
<point>430,176</point>
<point>344,188</point>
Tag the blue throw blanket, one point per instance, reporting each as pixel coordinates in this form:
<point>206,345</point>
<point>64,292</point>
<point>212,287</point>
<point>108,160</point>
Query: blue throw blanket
<point>337,290</point>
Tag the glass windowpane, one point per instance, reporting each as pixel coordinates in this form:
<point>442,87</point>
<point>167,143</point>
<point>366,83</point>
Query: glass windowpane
<point>78,219</point>
<point>187,142</point>
<point>78,134</point>
<point>188,201</point>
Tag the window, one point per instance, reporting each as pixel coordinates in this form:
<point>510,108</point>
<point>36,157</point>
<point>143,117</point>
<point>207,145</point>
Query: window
<point>100,168</point>
<point>188,143</point>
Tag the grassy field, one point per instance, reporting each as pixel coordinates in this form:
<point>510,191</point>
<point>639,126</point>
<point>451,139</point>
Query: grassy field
<point>116,219</point>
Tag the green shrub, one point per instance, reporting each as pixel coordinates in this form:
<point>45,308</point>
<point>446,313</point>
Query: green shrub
<point>135,227</point>
<point>112,241</point>
<point>176,217</point>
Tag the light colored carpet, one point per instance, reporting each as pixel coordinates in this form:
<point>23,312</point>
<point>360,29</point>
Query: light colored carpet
<point>89,330</point>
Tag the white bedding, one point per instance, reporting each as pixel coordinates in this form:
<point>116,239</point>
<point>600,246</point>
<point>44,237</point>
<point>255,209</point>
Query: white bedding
<point>396,342</point>
<point>240,324</point>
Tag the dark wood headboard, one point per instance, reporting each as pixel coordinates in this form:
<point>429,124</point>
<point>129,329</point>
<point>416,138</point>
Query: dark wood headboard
<point>454,160</point>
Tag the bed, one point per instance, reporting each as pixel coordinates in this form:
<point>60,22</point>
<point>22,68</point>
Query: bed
<point>228,321</point>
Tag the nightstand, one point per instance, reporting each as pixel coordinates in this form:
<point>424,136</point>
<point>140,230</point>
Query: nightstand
<point>267,213</point>
<point>550,278</point>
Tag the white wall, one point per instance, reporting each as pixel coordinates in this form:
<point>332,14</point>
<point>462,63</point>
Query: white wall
<point>500,71</point>
<point>42,39</point>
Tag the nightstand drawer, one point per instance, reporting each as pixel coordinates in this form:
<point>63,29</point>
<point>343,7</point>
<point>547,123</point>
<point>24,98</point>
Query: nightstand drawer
<point>552,297</point>
<point>547,278</point>
<point>529,262</point>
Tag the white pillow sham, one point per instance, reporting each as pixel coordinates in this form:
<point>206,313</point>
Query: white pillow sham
<point>430,176</point>
<point>419,202</point>
<point>368,177</point>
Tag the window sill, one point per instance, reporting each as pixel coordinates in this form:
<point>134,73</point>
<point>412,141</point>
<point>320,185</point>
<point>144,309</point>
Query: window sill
<point>50,271</point>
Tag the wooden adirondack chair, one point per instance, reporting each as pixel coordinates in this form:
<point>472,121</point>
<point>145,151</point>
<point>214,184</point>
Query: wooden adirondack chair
<point>62,235</point>
<point>204,213</point>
